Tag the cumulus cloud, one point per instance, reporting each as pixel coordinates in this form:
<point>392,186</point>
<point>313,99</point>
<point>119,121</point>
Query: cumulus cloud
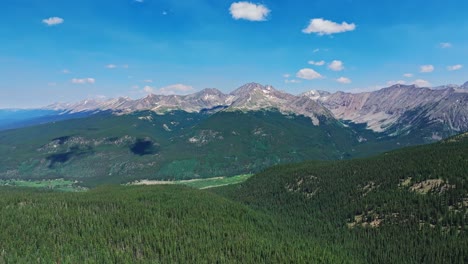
<point>114,66</point>
<point>52,21</point>
<point>292,81</point>
<point>148,89</point>
<point>317,63</point>
<point>426,68</point>
<point>445,45</point>
<point>308,74</point>
<point>454,67</point>
<point>175,89</point>
<point>83,81</point>
<point>322,27</point>
<point>343,80</point>
<point>422,83</point>
<point>336,65</point>
<point>408,75</point>
<point>249,11</point>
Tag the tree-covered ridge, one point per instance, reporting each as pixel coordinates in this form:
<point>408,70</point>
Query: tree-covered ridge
<point>406,206</point>
<point>157,224</point>
<point>177,146</point>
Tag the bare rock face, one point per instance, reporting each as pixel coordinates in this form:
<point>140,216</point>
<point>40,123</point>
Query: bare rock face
<point>402,106</point>
<point>395,109</point>
<point>250,97</point>
<point>316,94</point>
<point>464,86</point>
<point>255,97</point>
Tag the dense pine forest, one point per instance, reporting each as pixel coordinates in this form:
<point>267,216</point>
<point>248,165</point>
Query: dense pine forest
<point>405,206</point>
<point>157,224</point>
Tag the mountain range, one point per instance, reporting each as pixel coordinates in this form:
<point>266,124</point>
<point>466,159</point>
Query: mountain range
<point>212,134</point>
<point>400,108</point>
<point>394,110</point>
<point>250,97</point>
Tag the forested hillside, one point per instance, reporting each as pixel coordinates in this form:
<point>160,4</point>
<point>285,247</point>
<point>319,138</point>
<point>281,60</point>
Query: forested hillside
<point>405,206</point>
<point>157,224</point>
<point>178,146</point>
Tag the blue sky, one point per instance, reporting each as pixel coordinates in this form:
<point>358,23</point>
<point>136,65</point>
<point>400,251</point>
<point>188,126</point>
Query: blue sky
<point>58,50</point>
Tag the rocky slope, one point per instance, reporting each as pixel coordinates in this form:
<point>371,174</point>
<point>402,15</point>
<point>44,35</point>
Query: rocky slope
<point>399,108</point>
<point>395,110</point>
<point>250,97</point>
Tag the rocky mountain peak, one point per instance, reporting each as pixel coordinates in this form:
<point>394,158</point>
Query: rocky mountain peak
<point>252,87</point>
<point>379,109</point>
<point>210,91</point>
<point>401,86</point>
<point>315,94</point>
<point>464,86</point>
<point>151,96</point>
<point>401,105</point>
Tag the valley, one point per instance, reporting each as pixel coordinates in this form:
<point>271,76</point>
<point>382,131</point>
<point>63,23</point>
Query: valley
<point>345,178</point>
<point>207,134</point>
<point>356,211</point>
<point>246,132</point>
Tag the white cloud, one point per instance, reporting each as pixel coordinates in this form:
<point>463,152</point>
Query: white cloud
<point>65,71</point>
<point>148,89</point>
<point>114,66</point>
<point>249,11</point>
<point>308,74</point>
<point>175,89</point>
<point>286,75</point>
<point>292,81</point>
<point>445,45</point>
<point>322,27</point>
<point>83,81</point>
<point>52,21</point>
<point>343,80</point>
<point>390,83</point>
<point>422,83</point>
<point>336,65</point>
<point>316,50</point>
<point>408,75</point>
<point>454,67</point>
<point>317,63</point>
<point>148,81</point>
<point>426,68</point>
